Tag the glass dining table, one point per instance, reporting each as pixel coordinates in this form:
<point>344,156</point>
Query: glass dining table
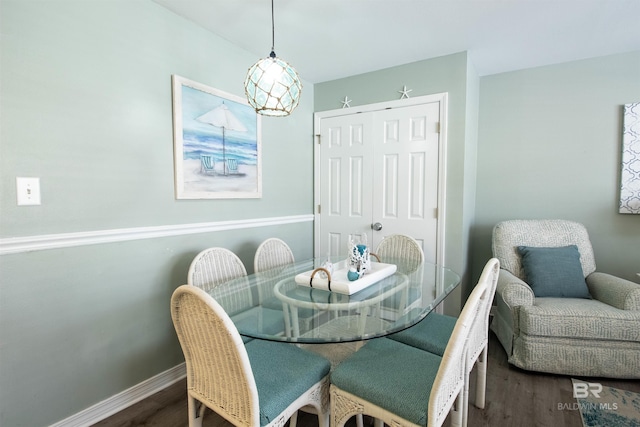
<point>277,305</point>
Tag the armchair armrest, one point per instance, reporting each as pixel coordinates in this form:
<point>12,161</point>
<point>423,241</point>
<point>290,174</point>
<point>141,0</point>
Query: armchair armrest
<point>615,291</point>
<point>514,291</point>
<point>511,294</point>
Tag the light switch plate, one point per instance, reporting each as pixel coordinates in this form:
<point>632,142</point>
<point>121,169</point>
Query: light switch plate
<point>28,190</point>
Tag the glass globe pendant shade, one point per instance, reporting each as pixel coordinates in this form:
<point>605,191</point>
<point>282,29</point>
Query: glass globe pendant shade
<point>273,87</point>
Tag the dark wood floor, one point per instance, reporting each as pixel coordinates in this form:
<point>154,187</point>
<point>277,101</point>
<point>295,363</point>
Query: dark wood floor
<point>514,398</point>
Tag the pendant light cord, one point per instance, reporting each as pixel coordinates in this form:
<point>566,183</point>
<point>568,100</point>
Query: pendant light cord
<point>273,33</point>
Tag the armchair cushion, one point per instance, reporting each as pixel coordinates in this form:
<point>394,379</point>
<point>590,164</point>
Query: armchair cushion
<point>554,272</point>
<point>573,318</point>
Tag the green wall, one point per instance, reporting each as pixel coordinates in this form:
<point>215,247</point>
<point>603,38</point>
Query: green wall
<point>85,105</point>
<point>452,74</point>
<point>550,144</point>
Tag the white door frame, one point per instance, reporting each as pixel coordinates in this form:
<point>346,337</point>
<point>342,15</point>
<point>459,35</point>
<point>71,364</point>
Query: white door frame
<point>442,98</point>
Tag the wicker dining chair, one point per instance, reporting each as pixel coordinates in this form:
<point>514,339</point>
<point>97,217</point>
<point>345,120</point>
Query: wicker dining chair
<point>433,333</point>
<point>272,256</point>
<point>400,247</point>
<point>260,383</point>
<point>214,266</point>
<point>271,253</point>
<point>406,253</point>
<point>401,385</point>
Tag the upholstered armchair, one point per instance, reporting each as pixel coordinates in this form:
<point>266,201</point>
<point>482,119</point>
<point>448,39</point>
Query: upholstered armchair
<point>554,312</point>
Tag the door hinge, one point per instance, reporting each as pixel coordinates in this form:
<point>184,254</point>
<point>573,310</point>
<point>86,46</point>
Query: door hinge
<point>319,209</point>
<point>318,137</point>
<point>435,213</point>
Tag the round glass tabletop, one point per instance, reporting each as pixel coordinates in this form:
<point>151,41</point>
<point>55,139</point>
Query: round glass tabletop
<point>283,304</point>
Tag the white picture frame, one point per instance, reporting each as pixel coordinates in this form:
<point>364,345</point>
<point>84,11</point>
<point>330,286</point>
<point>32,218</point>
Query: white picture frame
<point>630,172</point>
<point>217,143</point>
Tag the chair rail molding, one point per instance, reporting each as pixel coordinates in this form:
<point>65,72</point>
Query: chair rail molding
<point>14,245</point>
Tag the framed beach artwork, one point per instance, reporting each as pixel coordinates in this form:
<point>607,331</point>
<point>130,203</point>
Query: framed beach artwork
<point>630,173</point>
<point>217,147</point>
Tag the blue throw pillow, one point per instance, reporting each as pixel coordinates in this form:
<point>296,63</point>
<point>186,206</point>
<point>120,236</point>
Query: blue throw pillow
<point>554,272</point>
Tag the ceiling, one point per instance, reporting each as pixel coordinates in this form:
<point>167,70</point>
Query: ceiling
<point>330,39</point>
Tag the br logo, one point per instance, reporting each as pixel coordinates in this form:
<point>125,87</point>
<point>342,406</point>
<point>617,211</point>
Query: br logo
<point>582,390</point>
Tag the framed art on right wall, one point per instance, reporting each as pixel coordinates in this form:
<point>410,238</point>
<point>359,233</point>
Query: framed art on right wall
<point>630,174</point>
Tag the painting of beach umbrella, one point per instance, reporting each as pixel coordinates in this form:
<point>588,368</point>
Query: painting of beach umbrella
<point>217,143</point>
<point>222,117</point>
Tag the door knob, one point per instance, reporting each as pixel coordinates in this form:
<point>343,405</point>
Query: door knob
<point>377,226</point>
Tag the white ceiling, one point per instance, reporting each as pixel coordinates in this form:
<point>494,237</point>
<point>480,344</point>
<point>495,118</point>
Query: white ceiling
<point>330,39</point>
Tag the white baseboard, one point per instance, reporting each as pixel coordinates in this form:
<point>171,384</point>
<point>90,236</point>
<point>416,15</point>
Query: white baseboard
<point>123,400</point>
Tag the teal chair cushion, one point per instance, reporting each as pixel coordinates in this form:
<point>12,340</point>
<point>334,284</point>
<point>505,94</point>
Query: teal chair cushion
<point>430,334</point>
<point>391,375</point>
<point>554,272</point>
<point>283,372</point>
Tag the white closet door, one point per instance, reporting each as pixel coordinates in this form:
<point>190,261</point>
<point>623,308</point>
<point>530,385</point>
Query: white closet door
<point>405,181</point>
<point>379,168</point>
<point>346,169</point>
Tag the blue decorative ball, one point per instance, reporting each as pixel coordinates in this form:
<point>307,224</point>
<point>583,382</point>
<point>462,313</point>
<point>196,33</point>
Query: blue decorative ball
<point>352,274</point>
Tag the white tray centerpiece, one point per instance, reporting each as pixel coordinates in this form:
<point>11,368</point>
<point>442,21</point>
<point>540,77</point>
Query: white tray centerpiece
<point>353,274</point>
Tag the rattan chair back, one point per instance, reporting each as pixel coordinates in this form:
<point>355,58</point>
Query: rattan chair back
<point>272,253</point>
<point>218,370</point>
<point>402,250</point>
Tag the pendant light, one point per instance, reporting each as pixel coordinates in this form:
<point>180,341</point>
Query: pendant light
<point>272,86</point>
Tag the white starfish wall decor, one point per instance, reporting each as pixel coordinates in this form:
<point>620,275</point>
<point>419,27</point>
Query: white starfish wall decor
<point>404,92</point>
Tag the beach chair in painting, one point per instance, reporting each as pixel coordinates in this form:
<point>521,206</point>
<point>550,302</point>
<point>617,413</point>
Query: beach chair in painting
<point>232,166</point>
<point>207,164</point>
